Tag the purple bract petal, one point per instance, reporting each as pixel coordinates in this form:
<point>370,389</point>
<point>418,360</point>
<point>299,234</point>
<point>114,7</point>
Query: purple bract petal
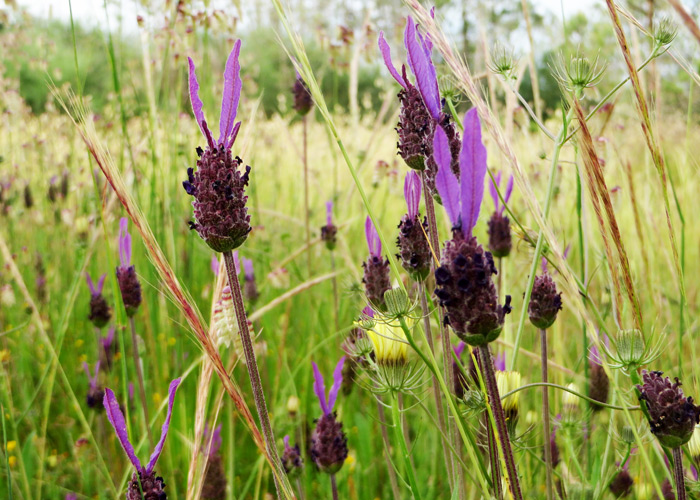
<point>500,362</point>
<point>116,418</point>
<point>215,264</point>
<point>445,181</point>
<point>107,341</point>
<point>194,97</point>
<point>544,264</point>
<point>412,192</point>
<point>424,70</point>
<point>373,241</point>
<point>368,312</point>
<point>124,242</point>
<point>459,349</point>
<point>232,94</point>
<point>286,442</point>
<point>386,54</point>
<point>472,164</point>
<point>248,269</point>
<point>337,382</point>
<point>493,190</point>
<point>212,440</point>
<point>329,213</point>
<point>166,425</point>
<point>509,191</point>
<point>90,284</point>
<point>320,389</point>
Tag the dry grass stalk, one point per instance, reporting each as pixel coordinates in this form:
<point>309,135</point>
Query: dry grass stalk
<point>652,144</point>
<point>602,206</point>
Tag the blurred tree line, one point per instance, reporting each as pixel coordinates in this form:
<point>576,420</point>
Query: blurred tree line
<point>340,36</point>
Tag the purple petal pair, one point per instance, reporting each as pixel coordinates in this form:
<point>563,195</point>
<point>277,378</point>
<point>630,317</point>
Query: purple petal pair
<point>100,313</point>
<point>250,289</point>
<point>376,269</point>
<point>218,185</point>
<point>144,479</point>
<point>291,459</point>
<point>500,240</point>
<point>414,249</point>
<point>464,279</point>
<point>126,273</point>
<point>108,349</point>
<point>329,444</point>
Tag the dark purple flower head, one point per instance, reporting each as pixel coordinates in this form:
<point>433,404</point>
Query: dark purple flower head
<point>376,268</point>
<point>100,313</point>
<point>545,301</point>
<point>291,459</point>
<point>218,185</point>
<point>599,383</point>
<point>95,393</point>
<point>464,279</point>
<point>126,273</point>
<point>621,485</point>
<point>116,418</point>
<point>303,102</point>
<point>414,250</point>
<point>329,445</point>
<point>329,231</point>
<point>500,241</point>
<point>672,416</point>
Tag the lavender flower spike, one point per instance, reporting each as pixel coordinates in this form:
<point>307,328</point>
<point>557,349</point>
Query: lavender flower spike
<point>92,379</point>
<point>414,250</point>
<point>144,481</point>
<point>376,268</point>
<point>494,192</point>
<point>100,313</point>
<point>248,269</point>
<point>329,231</point>
<point>218,185</point>
<point>129,285</point>
<point>329,447</point>
<point>329,213</point>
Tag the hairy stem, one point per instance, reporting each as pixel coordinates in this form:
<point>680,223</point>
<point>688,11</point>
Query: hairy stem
<point>405,454</point>
<point>678,473</point>
<point>500,419</point>
<point>545,416</point>
<point>252,364</point>
<point>334,487</point>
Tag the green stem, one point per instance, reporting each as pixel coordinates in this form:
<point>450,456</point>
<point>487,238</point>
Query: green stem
<point>540,239</point>
<point>566,389</point>
<point>405,454</point>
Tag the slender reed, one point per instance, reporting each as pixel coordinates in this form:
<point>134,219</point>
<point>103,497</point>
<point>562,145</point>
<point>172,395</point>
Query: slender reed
<point>545,417</point>
<point>139,376</point>
<point>251,362</point>
<point>500,419</point>
<point>385,438</point>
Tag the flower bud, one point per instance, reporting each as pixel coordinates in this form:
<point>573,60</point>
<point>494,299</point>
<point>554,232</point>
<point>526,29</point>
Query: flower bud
<point>545,302</point>
<point>291,459</point>
<point>303,102</point>
<point>500,242</point>
<point>293,405</point>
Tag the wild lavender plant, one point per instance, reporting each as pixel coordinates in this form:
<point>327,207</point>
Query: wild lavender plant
<point>329,444</point>
<point>376,269</point>
<point>144,484</point>
<point>414,250</point>
<point>95,392</point>
<point>500,242</point>
<point>672,418</point>
<point>329,234</point>
<point>100,313</point>
<point>130,289</point>
<point>293,463</point>
<point>221,215</point>
<point>545,303</point>
<point>214,484</point>
<point>108,349</point>
<point>464,279</point>
<point>599,383</point>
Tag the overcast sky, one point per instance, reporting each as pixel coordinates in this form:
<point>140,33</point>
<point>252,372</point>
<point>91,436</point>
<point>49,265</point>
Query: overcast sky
<point>91,12</point>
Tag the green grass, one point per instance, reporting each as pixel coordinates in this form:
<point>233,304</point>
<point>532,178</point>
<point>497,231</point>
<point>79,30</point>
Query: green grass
<point>53,444</point>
